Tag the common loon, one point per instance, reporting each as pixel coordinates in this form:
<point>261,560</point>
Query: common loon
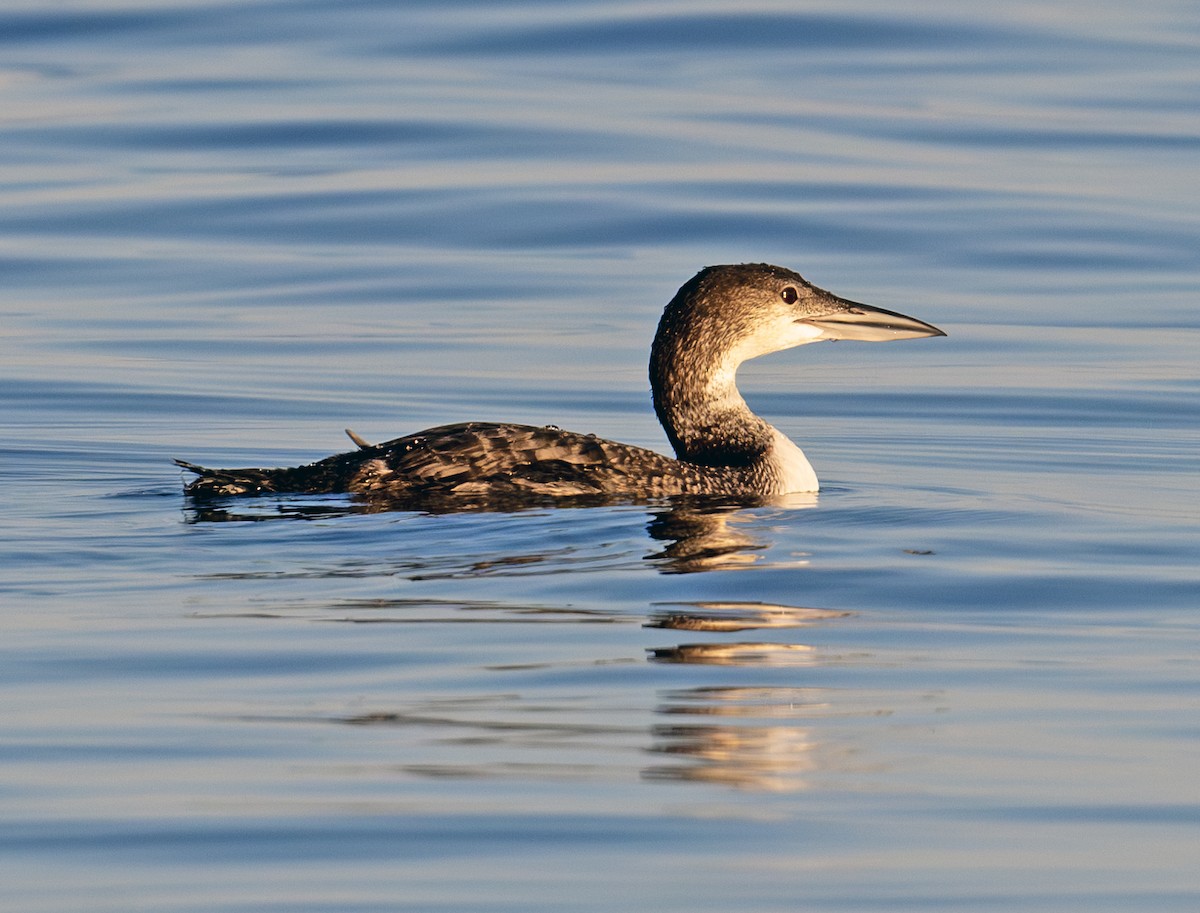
<point>720,318</point>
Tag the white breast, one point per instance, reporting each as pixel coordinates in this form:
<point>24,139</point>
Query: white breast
<point>790,465</point>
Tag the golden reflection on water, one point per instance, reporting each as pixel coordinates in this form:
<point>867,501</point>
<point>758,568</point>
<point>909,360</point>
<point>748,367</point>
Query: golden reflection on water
<point>735,616</point>
<point>736,654</point>
<point>707,537</point>
<point>748,737</point>
<point>752,737</point>
<point>759,737</point>
<point>768,758</point>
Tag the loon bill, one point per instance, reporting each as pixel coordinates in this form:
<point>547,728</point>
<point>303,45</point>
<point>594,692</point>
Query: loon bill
<point>720,318</point>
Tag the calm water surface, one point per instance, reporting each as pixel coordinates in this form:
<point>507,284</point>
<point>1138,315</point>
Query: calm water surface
<point>964,677</point>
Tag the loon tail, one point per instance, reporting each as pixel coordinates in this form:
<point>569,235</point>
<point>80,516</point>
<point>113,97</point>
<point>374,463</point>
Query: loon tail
<point>329,475</point>
<point>332,474</point>
<point>230,481</point>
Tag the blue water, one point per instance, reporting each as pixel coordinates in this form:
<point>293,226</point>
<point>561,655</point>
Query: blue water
<point>966,676</point>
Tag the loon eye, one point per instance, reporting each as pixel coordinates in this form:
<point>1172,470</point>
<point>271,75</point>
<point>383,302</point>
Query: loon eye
<point>789,295</point>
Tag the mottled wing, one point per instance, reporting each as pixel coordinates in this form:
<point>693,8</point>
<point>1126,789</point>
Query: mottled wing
<point>478,462</point>
<point>505,459</point>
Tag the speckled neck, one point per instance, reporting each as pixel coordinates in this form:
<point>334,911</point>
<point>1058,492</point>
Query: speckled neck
<point>693,364</point>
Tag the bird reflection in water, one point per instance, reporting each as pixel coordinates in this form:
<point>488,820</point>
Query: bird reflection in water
<point>758,743</point>
<point>735,616</point>
<point>707,535</point>
<point>695,534</point>
<point>752,737</point>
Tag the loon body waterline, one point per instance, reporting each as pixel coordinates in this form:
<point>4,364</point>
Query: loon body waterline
<point>722,317</point>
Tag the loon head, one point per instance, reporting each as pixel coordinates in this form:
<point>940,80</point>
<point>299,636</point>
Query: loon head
<point>729,314</point>
<point>725,315</point>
